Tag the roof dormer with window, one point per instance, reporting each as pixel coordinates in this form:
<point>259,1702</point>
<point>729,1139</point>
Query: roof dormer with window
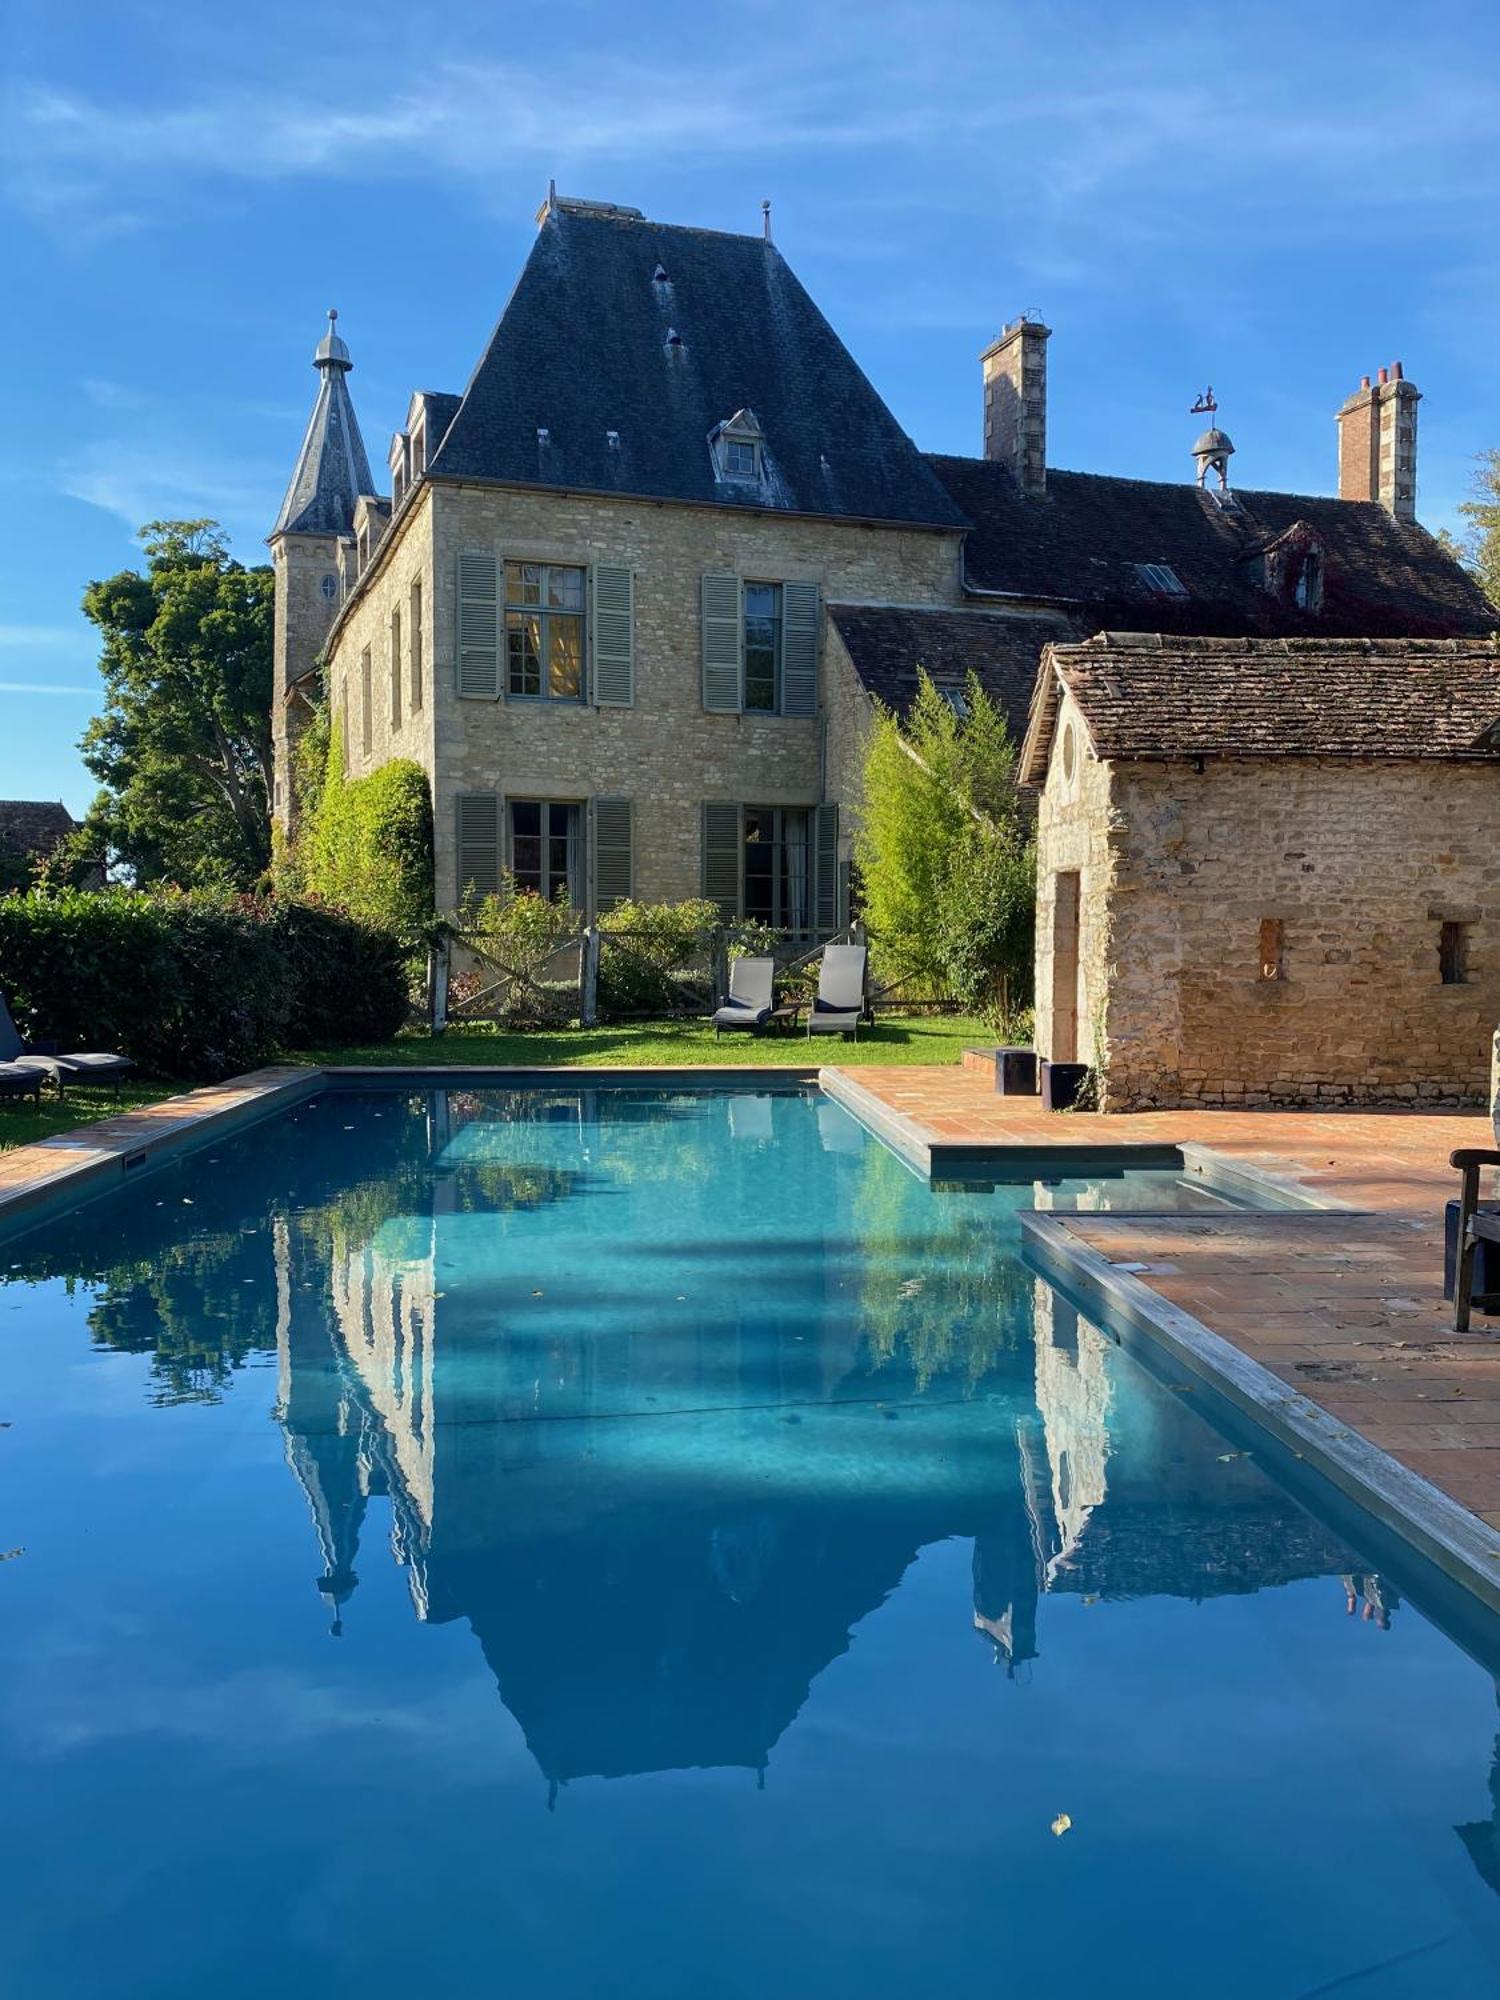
<point>737,447</point>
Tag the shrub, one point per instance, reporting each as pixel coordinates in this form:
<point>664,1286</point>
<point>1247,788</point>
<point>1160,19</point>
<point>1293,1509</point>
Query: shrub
<point>366,846</point>
<point>348,980</point>
<point>653,951</point>
<point>196,986</point>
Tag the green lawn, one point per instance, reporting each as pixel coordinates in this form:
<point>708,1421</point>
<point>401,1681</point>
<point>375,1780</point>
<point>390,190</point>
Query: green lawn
<point>649,1045</point>
<point>669,1044</point>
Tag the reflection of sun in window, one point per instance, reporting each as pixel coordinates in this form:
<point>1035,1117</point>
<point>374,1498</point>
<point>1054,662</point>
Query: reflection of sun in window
<point>544,630</point>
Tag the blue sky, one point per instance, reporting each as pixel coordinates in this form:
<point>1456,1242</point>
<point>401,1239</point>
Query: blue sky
<point>1275,200</point>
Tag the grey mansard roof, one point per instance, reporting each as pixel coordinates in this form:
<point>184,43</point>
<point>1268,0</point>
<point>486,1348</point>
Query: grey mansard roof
<point>583,385</point>
<point>332,468</point>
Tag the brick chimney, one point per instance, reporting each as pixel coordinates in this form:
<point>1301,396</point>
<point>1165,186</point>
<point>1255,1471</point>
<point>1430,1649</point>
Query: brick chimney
<point>1015,402</point>
<point>1378,443</point>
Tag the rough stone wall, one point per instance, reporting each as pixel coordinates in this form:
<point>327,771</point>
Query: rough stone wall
<point>666,754</point>
<point>1073,834</point>
<point>1359,865</point>
<point>301,618</point>
<point>408,733</point>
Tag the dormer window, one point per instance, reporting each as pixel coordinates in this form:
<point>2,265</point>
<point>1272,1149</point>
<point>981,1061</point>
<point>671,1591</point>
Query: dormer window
<point>738,449</point>
<point>1309,586</point>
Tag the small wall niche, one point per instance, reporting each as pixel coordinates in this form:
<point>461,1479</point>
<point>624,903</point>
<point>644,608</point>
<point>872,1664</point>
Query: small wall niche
<point>1272,947</point>
<point>1453,953</point>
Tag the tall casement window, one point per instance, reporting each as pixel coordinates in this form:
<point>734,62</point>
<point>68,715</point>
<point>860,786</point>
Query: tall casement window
<point>763,646</point>
<point>760,646</point>
<point>366,703</point>
<point>396,669</point>
<point>416,644</point>
<point>777,866</point>
<point>546,849</point>
<point>544,630</point>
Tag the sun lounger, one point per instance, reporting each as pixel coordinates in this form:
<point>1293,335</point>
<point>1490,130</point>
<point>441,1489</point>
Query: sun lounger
<point>92,1067</point>
<point>751,996</point>
<point>841,991</point>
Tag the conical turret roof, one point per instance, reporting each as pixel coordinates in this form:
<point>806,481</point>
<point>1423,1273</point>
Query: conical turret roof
<point>332,467</point>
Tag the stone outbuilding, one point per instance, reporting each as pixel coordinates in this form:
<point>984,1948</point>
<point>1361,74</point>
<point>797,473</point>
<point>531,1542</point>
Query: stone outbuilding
<point>1268,870</point>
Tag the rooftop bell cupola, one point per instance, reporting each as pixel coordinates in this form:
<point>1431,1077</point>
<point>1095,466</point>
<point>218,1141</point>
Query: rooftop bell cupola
<point>1214,448</point>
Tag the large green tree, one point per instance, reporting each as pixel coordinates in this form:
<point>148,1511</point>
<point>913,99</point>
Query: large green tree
<point>943,847</point>
<point>1478,547</point>
<point>183,748</point>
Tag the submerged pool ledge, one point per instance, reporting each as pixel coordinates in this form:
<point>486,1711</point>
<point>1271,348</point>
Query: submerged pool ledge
<point>1444,1531</point>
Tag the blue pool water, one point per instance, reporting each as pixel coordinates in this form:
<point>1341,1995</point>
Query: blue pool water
<point>561,1543</point>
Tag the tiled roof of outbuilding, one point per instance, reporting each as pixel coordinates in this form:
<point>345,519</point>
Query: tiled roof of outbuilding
<point>582,355</point>
<point>1083,539</point>
<point>33,826</point>
<point>888,647</point>
<point>1151,696</point>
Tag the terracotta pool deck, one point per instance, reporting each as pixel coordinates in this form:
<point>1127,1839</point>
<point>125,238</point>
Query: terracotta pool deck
<point>1342,1305</point>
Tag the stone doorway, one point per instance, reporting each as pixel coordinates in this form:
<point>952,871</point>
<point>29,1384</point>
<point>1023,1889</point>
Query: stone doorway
<point>1063,999</point>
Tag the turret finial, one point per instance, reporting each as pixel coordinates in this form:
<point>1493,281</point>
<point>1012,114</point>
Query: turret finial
<point>331,351</point>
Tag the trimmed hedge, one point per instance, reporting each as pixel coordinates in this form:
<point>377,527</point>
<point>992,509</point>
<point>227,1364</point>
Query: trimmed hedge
<point>193,986</point>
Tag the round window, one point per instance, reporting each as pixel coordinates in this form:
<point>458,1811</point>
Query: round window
<point>1068,752</point>
<point>330,586</point>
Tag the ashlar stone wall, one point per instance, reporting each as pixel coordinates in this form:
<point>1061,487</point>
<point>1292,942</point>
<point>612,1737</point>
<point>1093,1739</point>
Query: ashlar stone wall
<point>1073,837</point>
<point>666,754</point>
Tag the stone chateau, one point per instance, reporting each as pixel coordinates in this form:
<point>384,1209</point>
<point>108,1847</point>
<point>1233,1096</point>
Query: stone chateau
<point>630,597</point>
<point>627,598</point>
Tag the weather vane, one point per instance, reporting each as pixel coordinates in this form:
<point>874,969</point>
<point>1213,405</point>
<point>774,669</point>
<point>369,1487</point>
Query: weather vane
<point>1205,404</point>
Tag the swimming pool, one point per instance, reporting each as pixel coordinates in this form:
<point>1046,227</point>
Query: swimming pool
<point>556,1541</point>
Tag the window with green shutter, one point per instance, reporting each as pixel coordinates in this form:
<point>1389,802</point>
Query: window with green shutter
<point>721,856</point>
<point>479,624</point>
<point>830,915</point>
<point>614,636</point>
<point>478,844</point>
<point>613,862</point>
<point>723,647</point>
<point>799,649</point>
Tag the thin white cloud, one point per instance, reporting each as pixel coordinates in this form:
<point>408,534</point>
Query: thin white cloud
<point>139,480</point>
<point>46,687</point>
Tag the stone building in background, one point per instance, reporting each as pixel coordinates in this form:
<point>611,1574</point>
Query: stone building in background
<point>631,596</point>
<point>1267,870</point>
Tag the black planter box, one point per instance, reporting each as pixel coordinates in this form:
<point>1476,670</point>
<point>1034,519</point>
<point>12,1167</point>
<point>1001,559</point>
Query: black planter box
<point>1015,1072</point>
<point>1061,1083</point>
<point>1486,1262</point>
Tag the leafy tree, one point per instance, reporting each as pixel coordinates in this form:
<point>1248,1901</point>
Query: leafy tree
<point>183,748</point>
<point>1478,547</point>
<point>944,853</point>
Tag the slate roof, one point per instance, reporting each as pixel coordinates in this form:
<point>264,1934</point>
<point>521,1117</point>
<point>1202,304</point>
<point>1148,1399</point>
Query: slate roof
<point>33,826</point>
<point>332,467</point>
<point>1080,542</point>
<point>582,350</point>
<point>1152,696</point>
<point>887,647</point>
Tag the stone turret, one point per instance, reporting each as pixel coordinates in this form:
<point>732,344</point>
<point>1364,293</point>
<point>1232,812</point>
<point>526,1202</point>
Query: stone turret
<point>332,472</point>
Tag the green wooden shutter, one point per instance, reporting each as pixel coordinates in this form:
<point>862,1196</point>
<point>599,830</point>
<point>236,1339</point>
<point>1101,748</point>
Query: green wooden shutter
<point>723,643</point>
<point>799,649</point>
<point>613,869</point>
<point>721,856</point>
<point>478,624</point>
<point>826,844</point>
<point>614,636</point>
<point>478,843</point>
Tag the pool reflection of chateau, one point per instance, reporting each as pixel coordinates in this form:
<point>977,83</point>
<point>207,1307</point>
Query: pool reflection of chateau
<point>661,1529</point>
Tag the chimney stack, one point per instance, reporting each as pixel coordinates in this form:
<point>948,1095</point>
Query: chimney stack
<point>1015,402</point>
<point>1378,443</point>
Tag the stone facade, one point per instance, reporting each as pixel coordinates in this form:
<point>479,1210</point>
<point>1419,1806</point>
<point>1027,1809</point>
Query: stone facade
<point>307,595</point>
<point>666,753</point>
<point>1274,931</point>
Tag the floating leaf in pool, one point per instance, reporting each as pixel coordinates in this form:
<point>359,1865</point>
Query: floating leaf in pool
<point>1228,1457</point>
<point>1061,1824</point>
<point>537,1295</point>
